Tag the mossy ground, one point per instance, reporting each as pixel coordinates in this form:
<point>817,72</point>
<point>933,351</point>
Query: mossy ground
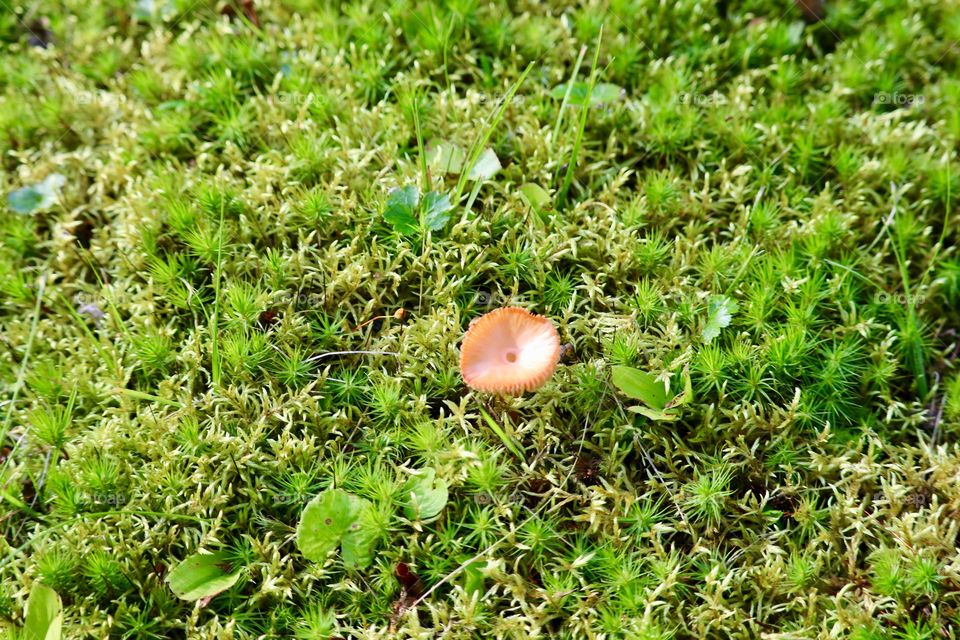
<point>226,172</point>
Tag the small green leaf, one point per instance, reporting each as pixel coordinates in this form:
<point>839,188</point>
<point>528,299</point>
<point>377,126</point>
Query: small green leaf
<point>203,575</point>
<point>436,210</point>
<point>426,495</point>
<point>535,196</point>
<point>38,196</point>
<point>473,577</point>
<point>684,396</point>
<point>641,386</point>
<point>506,439</point>
<point>173,105</point>
<point>795,32</point>
<point>602,93</point>
<point>143,10</point>
<point>324,521</point>
<point>720,310</point>
<point>334,518</point>
<point>24,200</point>
<point>486,166</point>
<point>358,541</point>
<point>668,415</point>
<point>446,157</point>
<point>44,618</point>
<point>401,209</point>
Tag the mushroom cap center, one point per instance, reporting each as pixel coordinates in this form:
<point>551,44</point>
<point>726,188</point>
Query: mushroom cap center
<point>508,351</point>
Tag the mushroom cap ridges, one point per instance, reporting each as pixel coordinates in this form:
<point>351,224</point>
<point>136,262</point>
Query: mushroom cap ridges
<point>509,351</point>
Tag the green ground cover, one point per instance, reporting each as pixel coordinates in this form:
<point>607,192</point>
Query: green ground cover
<point>206,205</point>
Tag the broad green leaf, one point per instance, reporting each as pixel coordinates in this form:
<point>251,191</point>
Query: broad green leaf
<point>602,93</point>
<point>24,200</point>
<point>324,521</point>
<point>38,196</point>
<point>606,92</point>
<point>401,209</point>
<point>535,196</point>
<point>44,618</point>
<point>173,105</point>
<point>667,415</point>
<point>473,577</point>
<point>358,541</point>
<point>426,495</point>
<point>436,210</point>
<point>446,157</point>
<point>686,395</point>
<point>795,32</point>
<point>337,518</point>
<point>143,10</point>
<point>641,386</point>
<point>486,166</point>
<point>720,310</point>
<point>203,575</point>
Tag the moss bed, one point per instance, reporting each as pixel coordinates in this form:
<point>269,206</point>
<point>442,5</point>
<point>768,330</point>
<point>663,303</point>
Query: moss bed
<point>209,316</point>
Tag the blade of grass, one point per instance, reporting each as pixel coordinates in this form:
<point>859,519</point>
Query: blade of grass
<point>481,141</point>
<point>943,228</point>
<point>424,188</point>
<point>424,169</point>
<point>106,357</point>
<point>566,99</point>
<point>474,192</point>
<point>507,440</point>
<point>916,359</point>
<point>140,395</point>
<point>114,312</point>
<point>215,369</point>
<point>581,126</point>
<point>22,373</point>
<point>936,250</point>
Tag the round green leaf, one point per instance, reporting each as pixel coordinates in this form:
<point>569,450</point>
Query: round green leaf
<point>601,94</point>
<point>44,618</point>
<point>446,157</point>
<point>486,166</point>
<point>426,494</point>
<point>202,575</point>
<point>401,209</point>
<point>358,541</point>
<point>640,385</point>
<point>436,210</point>
<point>336,518</point>
<point>535,196</point>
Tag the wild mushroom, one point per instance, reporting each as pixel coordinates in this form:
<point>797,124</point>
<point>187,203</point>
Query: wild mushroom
<point>509,351</point>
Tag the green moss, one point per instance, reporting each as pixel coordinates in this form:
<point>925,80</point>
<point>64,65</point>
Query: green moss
<point>228,325</point>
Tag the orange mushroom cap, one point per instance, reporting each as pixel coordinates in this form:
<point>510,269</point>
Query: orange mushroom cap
<point>509,351</point>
